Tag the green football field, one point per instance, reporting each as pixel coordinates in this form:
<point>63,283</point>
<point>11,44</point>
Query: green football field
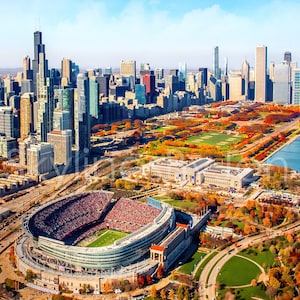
<point>107,237</point>
<point>223,140</point>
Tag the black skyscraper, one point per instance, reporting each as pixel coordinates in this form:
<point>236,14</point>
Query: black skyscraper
<point>38,48</point>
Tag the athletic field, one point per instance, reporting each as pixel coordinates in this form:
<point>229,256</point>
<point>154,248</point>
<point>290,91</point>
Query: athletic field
<point>107,237</point>
<point>222,140</point>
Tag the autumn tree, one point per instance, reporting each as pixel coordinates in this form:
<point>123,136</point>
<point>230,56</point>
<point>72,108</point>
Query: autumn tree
<point>141,280</point>
<point>153,291</point>
<point>163,294</point>
<point>160,272</point>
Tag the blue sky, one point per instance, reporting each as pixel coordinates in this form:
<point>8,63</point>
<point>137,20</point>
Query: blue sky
<point>100,33</point>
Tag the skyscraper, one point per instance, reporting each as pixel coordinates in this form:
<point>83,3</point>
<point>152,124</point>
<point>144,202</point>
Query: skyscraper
<point>6,121</point>
<point>43,87</point>
<point>38,48</point>
<point>26,115</point>
<point>282,83</point>
<point>216,65</point>
<point>128,69</point>
<point>82,124</point>
<point>61,140</point>
<point>94,97</point>
<point>245,78</point>
<point>261,74</point>
<point>66,72</point>
<point>26,68</point>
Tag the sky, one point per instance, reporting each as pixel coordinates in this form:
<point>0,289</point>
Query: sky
<point>163,33</point>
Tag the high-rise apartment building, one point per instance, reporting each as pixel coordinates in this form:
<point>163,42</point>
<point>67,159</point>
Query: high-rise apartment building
<point>82,124</point>
<point>216,64</point>
<point>61,140</point>
<point>261,74</point>
<point>26,115</point>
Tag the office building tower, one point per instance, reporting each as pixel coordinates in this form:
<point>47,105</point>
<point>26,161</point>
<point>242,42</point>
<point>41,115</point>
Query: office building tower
<point>261,74</point>
<point>66,72</point>
<point>296,86</point>
<point>103,85</point>
<point>171,83</point>
<point>128,68</point>
<point>203,77</point>
<point>39,48</point>
<point>27,72</point>
<point>40,159</point>
<point>6,121</point>
<point>23,146</point>
<point>26,115</point>
<point>94,98</point>
<point>245,78</point>
<point>182,71</point>
<point>235,86</point>
<point>140,93</point>
<point>61,140</point>
<point>216,65</point>
<point>45,101</point>
<point>26,86</point>
<point>282,83</point>
<point>159,73</point>
<point>82,124</point>
<point>149,82</point>
<point>287,56</point>
<point>8,147</point>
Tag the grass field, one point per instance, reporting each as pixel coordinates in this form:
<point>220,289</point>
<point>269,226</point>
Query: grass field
<point>164,128</point>
<point>189,266</point>
<point>264,257</point>
<point>221,140</point>
<point>238,277</point>
<point>107,237</point>
<point>247,293</point>
<point>182,204</point>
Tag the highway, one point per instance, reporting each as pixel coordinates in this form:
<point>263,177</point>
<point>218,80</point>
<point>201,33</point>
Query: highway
<point>209,274</point>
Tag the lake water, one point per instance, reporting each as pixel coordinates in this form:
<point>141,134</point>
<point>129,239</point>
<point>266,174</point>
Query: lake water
<point>288,156</point>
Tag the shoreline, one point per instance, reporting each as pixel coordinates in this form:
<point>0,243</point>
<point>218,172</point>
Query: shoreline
<point>291,140</point>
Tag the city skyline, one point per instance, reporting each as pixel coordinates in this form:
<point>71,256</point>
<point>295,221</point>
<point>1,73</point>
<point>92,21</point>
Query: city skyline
<point>95,33</point>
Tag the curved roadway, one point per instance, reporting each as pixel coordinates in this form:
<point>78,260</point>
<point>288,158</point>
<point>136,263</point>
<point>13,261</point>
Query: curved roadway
<point>209,274</point>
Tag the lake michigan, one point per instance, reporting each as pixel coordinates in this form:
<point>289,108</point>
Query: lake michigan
<point>288,156</point>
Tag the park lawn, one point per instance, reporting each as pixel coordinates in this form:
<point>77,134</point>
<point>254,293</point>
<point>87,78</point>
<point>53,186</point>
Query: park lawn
<point>247,293</point>
<point>238,271</point>
<point>262,258</point>
<point>234,222</point>
<point>107,237</point>
<point>233,158</point>
<point>189,266</point>
<point>183,204</point>
<point>164,128</point>
<point>221,140</point>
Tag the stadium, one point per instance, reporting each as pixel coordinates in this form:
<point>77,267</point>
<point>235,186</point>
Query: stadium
<point>60,244</point>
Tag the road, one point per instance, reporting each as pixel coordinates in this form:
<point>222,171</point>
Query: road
<point>209,274</point>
